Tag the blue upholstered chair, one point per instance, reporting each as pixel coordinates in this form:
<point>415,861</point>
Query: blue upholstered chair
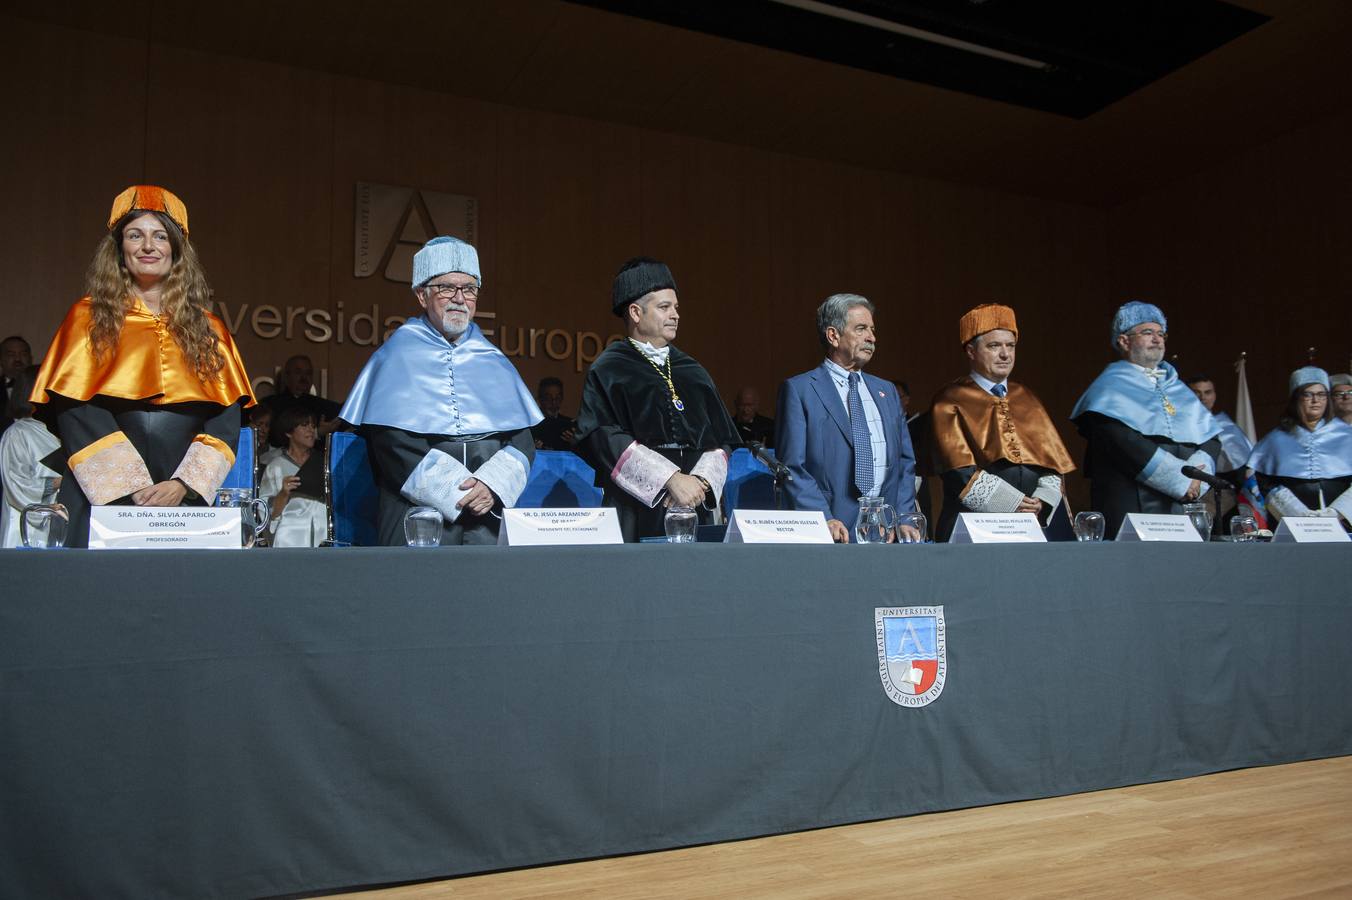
<point>750,484</point>
<point>349,491</point>
<point>241,475</point>
<point>559,479</point>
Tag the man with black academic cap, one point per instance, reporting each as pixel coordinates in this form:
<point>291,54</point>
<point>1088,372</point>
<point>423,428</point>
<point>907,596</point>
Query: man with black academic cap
<point>652,423</point>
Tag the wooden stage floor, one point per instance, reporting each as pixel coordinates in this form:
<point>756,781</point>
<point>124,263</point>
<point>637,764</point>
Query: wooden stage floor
<point>1281,831</point>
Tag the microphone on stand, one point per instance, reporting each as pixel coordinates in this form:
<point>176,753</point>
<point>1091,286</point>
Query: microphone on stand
<point>1219,484</point>
<point>777,469</point>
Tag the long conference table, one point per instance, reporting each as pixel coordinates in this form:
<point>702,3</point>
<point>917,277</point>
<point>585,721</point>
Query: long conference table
<point>219,724</point>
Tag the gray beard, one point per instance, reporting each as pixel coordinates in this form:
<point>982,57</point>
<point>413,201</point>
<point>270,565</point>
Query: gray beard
<point>448,331</point>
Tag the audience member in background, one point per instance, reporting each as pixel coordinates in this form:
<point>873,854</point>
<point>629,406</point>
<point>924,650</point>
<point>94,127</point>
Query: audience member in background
<point>841,432</point>
<point>142,382</point>
<point>444,414</point>
<point>24,446</point>
<point>260,420</point>
<point>1235,450</point>
<point>994,447</point>
<point>904,395</point>
<point>15,356</point>
<point>1304,466</point>
<point>1143,425</point>
<point>555,430</point>
<point>294,389</point>
<point>751,425</point>
<point>293,483</point>
<point>1340,395</point>
<point>652,424</point>
<point>1235,445</point>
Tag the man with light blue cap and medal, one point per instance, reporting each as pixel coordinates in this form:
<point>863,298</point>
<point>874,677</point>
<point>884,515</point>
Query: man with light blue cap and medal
<point>445,415</point>
<point>1143,425</point>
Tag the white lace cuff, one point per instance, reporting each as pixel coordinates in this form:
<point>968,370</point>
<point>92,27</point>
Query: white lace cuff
<point>989,494</point>
<point>1164,473</point>
<point>205,466</point>
<point>436,482</point>
<point>505,473</point>
<point>109,468</point>
<point>1283,503</point>
<point>713,468</point>
<point>642,473</point>
<point>1048,490</point>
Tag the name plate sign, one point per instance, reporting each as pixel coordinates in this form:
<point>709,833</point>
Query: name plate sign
<point>1309,530</point>
<point>1148,527</point>
<point>777,526</point>
<point>175,527</point>
<point>554,527</point>
<point>997,528</point>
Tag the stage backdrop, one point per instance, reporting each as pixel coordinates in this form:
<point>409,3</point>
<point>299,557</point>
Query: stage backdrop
<point>270,160</point>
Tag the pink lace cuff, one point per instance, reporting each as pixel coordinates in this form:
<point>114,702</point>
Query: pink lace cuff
<point>642,473</point>
<point>713,468</point>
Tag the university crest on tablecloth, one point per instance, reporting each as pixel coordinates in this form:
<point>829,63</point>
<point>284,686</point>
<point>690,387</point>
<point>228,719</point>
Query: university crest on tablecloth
<point>912,661</point>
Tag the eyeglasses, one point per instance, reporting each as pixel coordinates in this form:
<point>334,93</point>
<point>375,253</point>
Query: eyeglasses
<point>1341,395</point>
<point>1313,396</point>
<point>1148,333</point>
<point>468,291</point>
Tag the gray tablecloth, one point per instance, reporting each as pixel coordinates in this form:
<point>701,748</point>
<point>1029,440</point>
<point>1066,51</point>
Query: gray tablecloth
<point>216,724</point>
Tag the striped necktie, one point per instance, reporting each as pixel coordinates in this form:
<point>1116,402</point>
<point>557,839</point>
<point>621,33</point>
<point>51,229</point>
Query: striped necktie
<point>998,390</point>
<point>859,436</point>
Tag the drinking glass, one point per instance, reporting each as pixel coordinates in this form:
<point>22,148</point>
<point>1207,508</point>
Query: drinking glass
<point>1089,526</point>
<point>680,524</point>
<point>1201,518</point>
<point>1243,529</point>
<point>42,526</point>
<point>915,521</point>
<point>422,526</point>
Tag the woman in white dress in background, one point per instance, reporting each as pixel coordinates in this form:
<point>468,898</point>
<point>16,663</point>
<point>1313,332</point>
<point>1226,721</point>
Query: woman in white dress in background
<point>22,449</point>
<point>298,516</point>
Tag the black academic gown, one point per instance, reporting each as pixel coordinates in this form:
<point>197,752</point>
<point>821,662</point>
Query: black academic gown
<point>1115,455</point>
<point>395,453</point>
<point>624,400</point>
<point>160,434</point>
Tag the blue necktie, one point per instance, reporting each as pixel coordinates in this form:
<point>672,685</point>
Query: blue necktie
<point>998,390</point>
<point>859,436</point>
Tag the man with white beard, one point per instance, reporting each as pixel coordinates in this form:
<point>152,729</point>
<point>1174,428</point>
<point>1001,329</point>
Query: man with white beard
<point>1143,425</point>
<point>445,415</point>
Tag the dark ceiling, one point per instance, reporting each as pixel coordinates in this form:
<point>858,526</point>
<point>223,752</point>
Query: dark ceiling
<point>1069,57</point>
<point>574,59</point>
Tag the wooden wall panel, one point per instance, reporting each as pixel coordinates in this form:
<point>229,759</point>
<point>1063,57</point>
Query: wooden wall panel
<point>247,147</point>
<point>387,134</point>
<point>705,214</point>
<point>570,197</point>
<point>74,137</point>
<point>267,158</point>
<point>1249,256</point>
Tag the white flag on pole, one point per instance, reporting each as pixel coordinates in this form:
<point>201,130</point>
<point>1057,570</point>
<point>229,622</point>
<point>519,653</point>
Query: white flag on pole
<point>1243,405</point>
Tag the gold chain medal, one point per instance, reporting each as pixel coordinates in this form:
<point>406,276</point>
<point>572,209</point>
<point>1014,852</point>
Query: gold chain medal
<point>666,375</point>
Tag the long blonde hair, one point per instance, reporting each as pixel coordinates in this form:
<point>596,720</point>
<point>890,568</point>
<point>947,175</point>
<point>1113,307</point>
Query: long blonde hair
<point>185,298</point>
